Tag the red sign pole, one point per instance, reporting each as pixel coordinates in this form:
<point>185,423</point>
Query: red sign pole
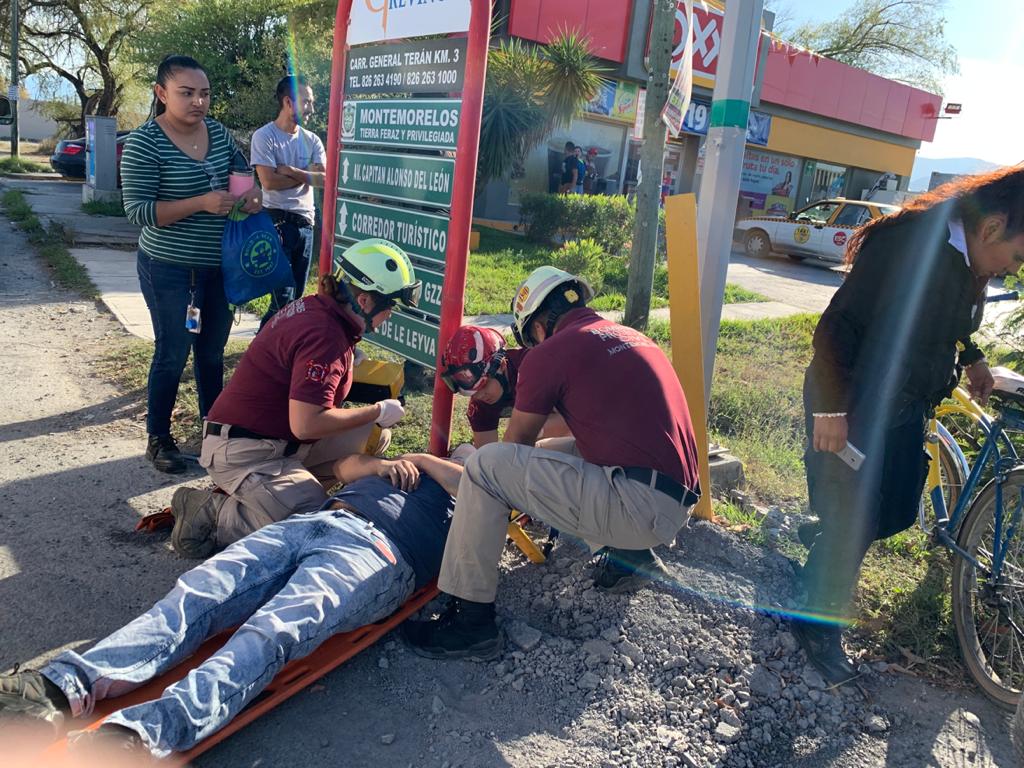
<point>333,132</point>
<point>457,254</point>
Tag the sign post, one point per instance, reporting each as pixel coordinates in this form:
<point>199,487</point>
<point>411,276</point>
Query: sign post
<point>404,168</point>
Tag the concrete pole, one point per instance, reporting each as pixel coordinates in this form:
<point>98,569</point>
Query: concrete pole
<point>14,76</point>
<point>652,155</point>
<point>723,164</point>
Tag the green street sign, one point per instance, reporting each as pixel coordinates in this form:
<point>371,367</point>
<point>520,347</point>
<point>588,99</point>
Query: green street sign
<point>408,336</point>
<point>433,282</point>
<point>406,123</point>
<point>407,178</point>
<point>419,234</point>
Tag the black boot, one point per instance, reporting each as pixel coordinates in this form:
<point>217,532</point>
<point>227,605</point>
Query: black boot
<point>29,695</point>
<point>824,648</point>
<point>620,570</point>
<point>465,630</point>
<point>163,452</point>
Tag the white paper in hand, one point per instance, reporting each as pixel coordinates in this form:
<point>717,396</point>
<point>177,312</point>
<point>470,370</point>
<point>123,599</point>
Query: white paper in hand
<point>391,412</point>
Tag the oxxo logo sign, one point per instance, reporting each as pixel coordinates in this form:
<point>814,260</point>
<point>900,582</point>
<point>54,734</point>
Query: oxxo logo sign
<point>375,20</point>
<point>259,254</point>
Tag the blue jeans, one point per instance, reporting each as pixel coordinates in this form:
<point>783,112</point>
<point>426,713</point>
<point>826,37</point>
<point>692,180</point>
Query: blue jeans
<point>167,289</point>
<point>293,584</point>
<point>297,243</point>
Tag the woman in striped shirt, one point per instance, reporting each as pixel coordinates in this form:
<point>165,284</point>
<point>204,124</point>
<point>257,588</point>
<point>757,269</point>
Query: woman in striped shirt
<point>175,176</point>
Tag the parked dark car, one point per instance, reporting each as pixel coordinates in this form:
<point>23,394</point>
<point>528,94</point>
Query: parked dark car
<point>68,157</point>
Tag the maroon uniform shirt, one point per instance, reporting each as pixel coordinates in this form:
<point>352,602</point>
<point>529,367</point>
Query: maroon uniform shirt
<point>617,392</point>
<point>304,354</point>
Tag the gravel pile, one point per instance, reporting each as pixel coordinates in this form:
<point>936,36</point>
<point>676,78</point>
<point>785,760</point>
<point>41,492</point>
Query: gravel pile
<point>698,672</point>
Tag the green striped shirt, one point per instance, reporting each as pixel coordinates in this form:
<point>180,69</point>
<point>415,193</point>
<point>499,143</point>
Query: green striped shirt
<point>152,169</point>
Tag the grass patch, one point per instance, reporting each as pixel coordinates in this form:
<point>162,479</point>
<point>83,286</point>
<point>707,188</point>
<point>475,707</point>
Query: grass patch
<point>21,165</point>
<point>51,244</point>
<point>736,294</point>
<point>103,208</point>
<point>756,403</point>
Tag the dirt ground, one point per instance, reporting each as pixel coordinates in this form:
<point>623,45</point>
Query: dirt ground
<point>650,679</point>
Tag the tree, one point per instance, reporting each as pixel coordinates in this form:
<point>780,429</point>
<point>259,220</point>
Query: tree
<point>246,46</point>
<point>530,91</point>
<point>904,40</point>
<point>82,44</point>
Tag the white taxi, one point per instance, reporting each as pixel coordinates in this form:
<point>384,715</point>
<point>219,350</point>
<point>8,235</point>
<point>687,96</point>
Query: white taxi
<point>819,231</point>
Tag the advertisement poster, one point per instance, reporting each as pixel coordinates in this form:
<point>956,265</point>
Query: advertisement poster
<point>615,100</point>
<point>627,96</point>
<point>768,182</point>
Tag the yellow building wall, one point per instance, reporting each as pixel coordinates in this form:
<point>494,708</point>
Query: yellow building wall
<point>794,138</point>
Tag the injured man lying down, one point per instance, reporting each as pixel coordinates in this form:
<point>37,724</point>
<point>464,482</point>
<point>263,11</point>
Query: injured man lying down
<point>287,587</point>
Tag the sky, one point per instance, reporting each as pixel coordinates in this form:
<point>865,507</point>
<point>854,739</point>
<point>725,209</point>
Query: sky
<point>986,35</point>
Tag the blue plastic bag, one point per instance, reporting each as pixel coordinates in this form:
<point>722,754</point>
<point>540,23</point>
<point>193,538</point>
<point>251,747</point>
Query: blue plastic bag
<point>252,259</point>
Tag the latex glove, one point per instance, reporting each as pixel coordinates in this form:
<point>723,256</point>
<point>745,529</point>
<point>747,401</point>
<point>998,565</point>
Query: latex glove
<point>357,357</point>
<point>391,412</point>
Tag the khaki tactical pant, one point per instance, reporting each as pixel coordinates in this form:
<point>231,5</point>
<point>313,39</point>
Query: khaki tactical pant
<point>265,486</point>
<point>550,482</point>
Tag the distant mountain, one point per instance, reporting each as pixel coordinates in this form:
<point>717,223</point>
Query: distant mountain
<point>924,166</point>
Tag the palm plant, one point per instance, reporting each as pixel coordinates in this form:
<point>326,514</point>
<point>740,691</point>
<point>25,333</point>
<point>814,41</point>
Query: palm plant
<point>530,91</point>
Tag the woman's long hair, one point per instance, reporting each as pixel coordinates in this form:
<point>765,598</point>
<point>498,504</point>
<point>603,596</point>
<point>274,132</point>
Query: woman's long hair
<point>978,196</point>
<point>167,69</point>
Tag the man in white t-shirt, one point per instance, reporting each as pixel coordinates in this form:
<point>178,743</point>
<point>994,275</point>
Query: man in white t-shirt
<point>290,162</point>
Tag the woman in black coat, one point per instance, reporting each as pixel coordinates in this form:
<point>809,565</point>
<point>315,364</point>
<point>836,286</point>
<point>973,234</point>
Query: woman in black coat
<point>888,348</point>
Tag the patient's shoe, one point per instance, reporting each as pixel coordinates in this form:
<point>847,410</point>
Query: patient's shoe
<point>29,695</point>
<point>108,739</point>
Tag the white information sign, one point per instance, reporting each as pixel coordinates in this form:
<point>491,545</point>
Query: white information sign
<point>375,20</point>
<point>13,92</point>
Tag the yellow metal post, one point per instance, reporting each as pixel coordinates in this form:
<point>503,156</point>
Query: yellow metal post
<point>684,304</point>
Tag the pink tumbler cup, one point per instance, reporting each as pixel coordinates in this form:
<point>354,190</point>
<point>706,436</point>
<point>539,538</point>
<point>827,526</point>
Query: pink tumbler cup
<point>240,182</point>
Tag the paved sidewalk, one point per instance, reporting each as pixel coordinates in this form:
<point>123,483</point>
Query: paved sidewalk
<point>113,272</point>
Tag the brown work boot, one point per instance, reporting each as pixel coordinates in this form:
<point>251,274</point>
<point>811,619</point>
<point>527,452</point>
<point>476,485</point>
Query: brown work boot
<point>195,521</point>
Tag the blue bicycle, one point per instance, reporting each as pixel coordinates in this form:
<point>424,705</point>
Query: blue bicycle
<point>988,568</point>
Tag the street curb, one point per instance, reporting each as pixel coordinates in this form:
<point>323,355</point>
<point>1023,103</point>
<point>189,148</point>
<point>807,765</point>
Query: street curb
<point>33,176</point>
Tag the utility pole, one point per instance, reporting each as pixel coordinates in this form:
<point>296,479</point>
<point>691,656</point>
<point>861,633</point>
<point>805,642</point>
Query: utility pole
<point>723,164</point>
<point>14,77</point>
<point>652,157</point>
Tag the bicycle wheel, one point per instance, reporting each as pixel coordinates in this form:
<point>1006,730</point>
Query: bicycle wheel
<point>989,614</point>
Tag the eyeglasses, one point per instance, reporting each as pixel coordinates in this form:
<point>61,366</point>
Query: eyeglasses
<point>211,173</point>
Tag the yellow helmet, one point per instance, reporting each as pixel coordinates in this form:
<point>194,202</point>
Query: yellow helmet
<point>572,291</point>
<point>379,265</point>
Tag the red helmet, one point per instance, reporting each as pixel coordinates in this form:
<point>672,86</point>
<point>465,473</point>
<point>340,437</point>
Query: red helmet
<point>472,356</point>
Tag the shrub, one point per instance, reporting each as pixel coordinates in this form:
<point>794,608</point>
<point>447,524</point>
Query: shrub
<point>584,258</point>
<point>608,220</point>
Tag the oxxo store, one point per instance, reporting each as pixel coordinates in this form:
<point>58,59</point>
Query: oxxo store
<point>817,128</point>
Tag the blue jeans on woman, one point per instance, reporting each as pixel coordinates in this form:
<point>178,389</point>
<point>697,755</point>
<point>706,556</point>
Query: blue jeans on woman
<point>290,585</point>
<point>168,290</point>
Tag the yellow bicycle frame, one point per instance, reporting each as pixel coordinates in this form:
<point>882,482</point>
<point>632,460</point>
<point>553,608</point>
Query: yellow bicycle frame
<point>961,405</point>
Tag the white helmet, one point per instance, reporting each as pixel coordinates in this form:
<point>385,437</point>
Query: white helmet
<point>567,291</point>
